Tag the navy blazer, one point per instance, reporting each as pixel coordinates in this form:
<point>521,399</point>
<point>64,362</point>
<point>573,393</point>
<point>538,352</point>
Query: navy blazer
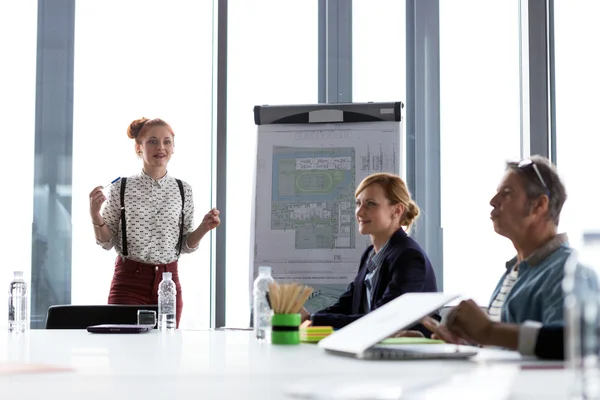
<point>405,269</point>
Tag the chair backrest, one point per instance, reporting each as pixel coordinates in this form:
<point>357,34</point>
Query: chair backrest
<point>81,316</point>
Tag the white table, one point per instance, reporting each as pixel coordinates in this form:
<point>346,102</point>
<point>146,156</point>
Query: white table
<point>216,364</point>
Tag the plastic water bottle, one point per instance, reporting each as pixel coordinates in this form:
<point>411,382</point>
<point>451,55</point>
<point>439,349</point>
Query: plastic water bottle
<point>167,303</point>
<point>262,310</point>
<point>18,321</point>
<point>582,320</point>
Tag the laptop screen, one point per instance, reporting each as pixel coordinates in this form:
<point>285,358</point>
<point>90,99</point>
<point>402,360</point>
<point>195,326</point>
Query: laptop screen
<point>398,314</point>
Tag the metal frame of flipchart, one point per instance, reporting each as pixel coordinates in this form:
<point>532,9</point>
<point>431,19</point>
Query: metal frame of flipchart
<point>318,114</point>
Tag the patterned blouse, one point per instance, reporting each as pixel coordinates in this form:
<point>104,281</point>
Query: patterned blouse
<point>152,214</point>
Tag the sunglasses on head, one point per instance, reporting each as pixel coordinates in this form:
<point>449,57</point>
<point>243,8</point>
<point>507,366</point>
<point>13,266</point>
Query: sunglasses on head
<point>524,164</point>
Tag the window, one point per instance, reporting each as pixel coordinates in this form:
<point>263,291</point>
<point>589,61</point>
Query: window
<point>18,35</point>
<point>480,114</point>
<point>577,141</point>
<point>378,51</point>
<point>272,59</point>
<point>154,61</point>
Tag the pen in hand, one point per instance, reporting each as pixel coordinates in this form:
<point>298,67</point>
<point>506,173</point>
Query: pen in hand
<point>113,181</point>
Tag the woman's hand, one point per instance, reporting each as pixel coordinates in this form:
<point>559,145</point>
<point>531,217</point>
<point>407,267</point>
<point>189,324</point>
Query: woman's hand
<point>304,314</point>
<point>211,220</point>
<point>97,198</point>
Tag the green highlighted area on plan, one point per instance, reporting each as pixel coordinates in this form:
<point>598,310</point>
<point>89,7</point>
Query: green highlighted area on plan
<point>313,194</point>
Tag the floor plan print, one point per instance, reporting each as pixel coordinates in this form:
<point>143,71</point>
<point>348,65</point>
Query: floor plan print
<point>304,224</point>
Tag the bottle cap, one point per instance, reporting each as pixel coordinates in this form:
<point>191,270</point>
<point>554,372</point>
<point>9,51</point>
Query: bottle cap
<point>264,270</point>
<point>18,274</point>
<point>166,275</point>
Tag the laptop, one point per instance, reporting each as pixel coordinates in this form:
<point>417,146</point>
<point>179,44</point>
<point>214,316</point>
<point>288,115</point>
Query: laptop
<point>119,328</point>
<point>361,338</point>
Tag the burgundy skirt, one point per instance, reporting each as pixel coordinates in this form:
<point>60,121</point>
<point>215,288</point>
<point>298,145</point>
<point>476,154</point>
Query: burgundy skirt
<point>137,283</point>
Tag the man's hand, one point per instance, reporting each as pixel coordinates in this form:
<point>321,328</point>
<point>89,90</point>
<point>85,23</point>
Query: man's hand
<point>469,322</point>
<point>441,331</point>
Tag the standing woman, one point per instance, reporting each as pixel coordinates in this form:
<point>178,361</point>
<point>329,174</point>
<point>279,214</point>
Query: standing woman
<point>393,264</point>
<point>148,218</point>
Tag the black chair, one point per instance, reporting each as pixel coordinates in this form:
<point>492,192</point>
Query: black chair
<point>80,317</point>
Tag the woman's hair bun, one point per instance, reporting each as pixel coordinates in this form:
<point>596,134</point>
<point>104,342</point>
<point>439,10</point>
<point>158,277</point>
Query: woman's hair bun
<point>411,213</point>
<point>134,129</point>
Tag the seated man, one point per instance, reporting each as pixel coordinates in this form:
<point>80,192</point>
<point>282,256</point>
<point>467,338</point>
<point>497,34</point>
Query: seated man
<point>526,210</point>
<point>467,322</point>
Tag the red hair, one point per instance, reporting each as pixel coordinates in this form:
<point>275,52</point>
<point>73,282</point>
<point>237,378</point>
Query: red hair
<point>140,126</point>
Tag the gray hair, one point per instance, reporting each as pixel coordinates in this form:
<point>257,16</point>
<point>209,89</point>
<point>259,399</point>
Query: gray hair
<point>534,188</point>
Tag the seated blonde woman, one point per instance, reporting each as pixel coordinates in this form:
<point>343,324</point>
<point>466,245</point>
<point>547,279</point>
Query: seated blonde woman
<point>393,265</point>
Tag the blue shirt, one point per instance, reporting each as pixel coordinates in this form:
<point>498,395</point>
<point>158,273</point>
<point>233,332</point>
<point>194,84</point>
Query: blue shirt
<point>537,294</point>
<point>375,259</point>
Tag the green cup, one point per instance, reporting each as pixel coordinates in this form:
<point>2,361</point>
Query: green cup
<point>285,329</point>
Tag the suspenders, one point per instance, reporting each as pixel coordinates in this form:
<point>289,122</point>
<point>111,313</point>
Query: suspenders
<point>124,235</point>
<point>123,230</point>
<point>180,242</point>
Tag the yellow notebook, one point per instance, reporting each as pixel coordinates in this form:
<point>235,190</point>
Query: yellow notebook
<point>410,340</point>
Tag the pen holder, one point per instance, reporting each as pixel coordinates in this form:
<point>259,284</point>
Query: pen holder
<point>285,329</point>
